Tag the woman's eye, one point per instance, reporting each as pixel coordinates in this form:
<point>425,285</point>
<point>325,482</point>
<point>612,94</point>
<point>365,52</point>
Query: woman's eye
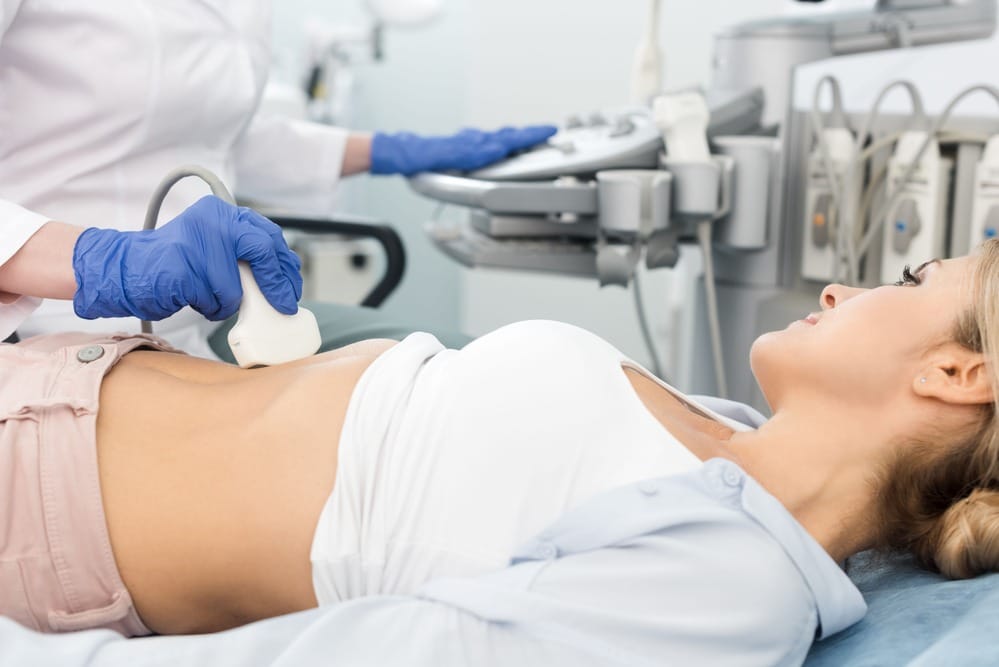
<point>908,278</point>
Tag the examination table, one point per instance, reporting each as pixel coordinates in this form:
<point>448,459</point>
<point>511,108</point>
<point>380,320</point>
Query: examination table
<point>916,618</point>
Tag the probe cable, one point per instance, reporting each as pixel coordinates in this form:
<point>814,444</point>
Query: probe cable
<point>156,201</point>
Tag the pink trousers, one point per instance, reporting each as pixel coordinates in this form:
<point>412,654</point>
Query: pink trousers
<point>57,570</point>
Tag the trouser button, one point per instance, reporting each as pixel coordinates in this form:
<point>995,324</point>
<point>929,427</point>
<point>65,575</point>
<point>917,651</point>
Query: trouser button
<point>90,353</point>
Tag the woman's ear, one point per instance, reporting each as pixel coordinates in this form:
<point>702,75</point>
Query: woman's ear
<point>955,374</point>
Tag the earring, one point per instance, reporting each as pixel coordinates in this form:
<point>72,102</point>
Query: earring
<point>922,380</point>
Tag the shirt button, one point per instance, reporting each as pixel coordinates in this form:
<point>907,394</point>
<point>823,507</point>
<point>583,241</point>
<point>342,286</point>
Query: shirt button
<point>648,487</point>
<point>90,353</point>
<point>732,477</point>
<point>547,551</point>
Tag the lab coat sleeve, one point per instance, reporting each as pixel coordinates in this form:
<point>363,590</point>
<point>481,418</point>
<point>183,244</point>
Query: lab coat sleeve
<point>17,225</point>
<point>289,163</point>
<point>8,9</point>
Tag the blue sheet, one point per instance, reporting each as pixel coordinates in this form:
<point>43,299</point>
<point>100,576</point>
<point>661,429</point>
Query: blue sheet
<point>916,618</point>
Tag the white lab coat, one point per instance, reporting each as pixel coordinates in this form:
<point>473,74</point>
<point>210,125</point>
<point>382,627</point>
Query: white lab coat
<point>100,99</point>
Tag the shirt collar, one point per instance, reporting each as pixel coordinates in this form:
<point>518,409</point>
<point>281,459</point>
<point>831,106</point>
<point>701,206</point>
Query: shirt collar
<point>837,598</point>
<point>620,514</point>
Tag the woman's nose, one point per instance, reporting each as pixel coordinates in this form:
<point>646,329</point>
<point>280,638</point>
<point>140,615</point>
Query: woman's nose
<point>835,294</point>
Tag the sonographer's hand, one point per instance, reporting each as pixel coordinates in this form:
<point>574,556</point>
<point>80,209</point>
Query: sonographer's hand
<point>190,261</point>
<point>407,154</point>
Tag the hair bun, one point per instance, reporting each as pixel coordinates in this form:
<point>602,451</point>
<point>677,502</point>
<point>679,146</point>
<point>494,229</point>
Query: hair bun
<point>966,540</point>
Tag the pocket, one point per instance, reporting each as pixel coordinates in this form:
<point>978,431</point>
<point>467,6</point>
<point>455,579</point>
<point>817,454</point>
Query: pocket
<point>112,612</point>
<point>14,602</point>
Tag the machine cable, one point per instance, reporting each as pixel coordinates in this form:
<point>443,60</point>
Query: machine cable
<point>643,325</point>
<point>704,230</point>
<point>931,136</point>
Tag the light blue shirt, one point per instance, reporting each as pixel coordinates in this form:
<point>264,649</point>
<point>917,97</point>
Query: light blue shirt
<point>703,568</point>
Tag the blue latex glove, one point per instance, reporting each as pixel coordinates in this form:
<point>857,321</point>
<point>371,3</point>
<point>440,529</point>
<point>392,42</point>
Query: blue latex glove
<point>407,154</point>
<point>190,261</point>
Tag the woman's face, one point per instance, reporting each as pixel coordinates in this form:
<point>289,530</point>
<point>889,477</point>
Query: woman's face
<point>865,344</point>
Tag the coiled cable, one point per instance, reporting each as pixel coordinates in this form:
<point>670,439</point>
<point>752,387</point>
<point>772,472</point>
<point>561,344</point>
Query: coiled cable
<point>159,194</point>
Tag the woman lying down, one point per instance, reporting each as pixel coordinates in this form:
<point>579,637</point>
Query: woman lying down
<point>150,492</point>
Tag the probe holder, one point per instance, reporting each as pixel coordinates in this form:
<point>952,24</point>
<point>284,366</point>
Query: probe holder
<point>701,189</point>
<point>633,207</point>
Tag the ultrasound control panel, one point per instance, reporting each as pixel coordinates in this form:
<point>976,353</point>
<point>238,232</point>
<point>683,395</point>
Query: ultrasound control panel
<point>584,144</point>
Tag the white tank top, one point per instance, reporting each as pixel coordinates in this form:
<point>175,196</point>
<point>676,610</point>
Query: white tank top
<point>450,459</point>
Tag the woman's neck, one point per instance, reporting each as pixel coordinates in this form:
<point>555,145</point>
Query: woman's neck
<point>819,469</point>
<point>811,459</point>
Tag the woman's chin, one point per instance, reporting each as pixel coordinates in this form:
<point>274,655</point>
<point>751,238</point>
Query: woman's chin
<point>766,356</point>
<point>764,346</point>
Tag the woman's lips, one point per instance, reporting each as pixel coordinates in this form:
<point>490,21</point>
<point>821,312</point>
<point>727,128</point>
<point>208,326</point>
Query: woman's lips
<point>812,318</point>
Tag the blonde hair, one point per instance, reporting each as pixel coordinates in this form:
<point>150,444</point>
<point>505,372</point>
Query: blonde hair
<point>942,503</point>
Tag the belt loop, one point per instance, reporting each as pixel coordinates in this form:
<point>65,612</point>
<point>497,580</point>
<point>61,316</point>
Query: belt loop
<point>29,409</point>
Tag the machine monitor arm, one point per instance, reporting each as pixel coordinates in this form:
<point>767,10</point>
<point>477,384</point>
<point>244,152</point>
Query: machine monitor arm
<point>765,53</point>
<point>905,23</point>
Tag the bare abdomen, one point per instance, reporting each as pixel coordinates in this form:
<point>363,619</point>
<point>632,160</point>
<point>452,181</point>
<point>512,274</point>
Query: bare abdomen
<point>213,480</point>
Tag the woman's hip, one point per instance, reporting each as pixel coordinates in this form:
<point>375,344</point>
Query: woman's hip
<point>57,569</point>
